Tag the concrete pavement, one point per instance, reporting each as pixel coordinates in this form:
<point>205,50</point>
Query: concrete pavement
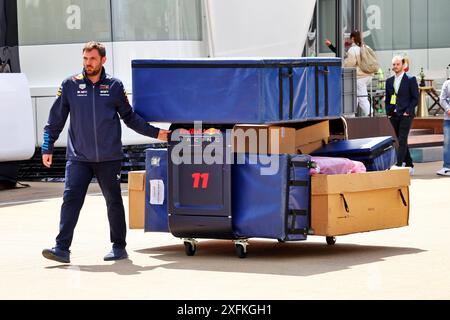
<point>405,263</point>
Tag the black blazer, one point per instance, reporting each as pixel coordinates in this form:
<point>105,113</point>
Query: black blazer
<point>407,96</point>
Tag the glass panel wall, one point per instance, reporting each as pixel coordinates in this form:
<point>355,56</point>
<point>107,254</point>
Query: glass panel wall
<point>157,20</point>
<point>327,24</point>
<point>43,22</point>
<point>407,24</point>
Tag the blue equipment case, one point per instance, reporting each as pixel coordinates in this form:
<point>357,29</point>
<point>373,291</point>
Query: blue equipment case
<point>200,193</point>
<point>156,170</point>
<point>272,206</point>
<point>252,91</point>
<point>377,154</point>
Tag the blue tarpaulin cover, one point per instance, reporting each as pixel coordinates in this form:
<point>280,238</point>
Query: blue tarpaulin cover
<point>232,91</point>
<point>377,153</point>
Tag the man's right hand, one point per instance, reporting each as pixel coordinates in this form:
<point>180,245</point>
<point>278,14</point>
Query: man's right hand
<point>47,160</point>
<point>327,42</point>
<point>163,135</point>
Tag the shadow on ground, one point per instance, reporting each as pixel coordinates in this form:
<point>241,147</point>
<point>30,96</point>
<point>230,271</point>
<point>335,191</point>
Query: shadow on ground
<point>269,257</point>
<point>123,268</point>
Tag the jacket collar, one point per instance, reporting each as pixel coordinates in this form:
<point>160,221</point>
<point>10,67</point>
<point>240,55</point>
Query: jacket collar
<point>402,82</point>
<point>102,76</point>
<point>403,75</point>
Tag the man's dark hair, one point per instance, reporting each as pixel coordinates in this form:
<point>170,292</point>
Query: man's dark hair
<point>94,45</point>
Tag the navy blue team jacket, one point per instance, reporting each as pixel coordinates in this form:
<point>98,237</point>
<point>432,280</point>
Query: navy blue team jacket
<point>95,131</point>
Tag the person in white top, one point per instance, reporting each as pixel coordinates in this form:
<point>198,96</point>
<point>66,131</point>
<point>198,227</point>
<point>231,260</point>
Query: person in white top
<point>445,102</point>
<point>353,59</point>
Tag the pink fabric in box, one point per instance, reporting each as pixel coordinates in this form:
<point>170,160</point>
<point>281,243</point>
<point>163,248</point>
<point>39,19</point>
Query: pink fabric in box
<point>328,165</point>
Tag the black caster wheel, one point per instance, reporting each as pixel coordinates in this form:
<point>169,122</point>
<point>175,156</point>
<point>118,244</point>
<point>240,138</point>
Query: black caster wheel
<point>190,249</point>
<point>331,241</point>
<point>281,241</point>
<point>240,251</point>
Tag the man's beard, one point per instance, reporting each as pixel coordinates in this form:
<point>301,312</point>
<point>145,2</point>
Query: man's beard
<point>94,72</point>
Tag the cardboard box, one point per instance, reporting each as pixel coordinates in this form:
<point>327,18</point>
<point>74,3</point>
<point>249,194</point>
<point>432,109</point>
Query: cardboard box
<point>136,199</point>
<point>313,137</point>
<point>265,139</point>
<point>310,147</point>
<point>352,203</point>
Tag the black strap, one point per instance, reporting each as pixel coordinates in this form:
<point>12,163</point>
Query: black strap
<point>293,220</point>
<point>291,93</point>
<point>326,72</point>
<point>345,203</point>
<point>298,213</point>
<point>286,209</point>
<point>403,198</point>
<point>317,90</point>
<point>301,231</point>
<point>290,228</point>
<point>280,83</point>
<point>300,164</point>
<point>298,183</point>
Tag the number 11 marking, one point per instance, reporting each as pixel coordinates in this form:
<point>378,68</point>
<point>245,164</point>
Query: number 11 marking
<point>200,176</point>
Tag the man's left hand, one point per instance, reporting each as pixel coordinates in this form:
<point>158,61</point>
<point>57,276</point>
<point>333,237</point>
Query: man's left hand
<point>448,113</point>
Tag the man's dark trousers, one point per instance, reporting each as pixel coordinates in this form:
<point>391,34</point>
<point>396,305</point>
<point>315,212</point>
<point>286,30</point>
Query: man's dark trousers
<point>402,125</point>
<point>78,178</point>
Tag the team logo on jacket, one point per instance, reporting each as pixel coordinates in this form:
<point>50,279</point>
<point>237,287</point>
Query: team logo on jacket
<point>104,90</point>
<point>82,90</point>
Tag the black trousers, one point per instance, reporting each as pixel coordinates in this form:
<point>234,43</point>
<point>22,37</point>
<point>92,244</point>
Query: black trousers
<point>78,178</point>
<point>402,126</point>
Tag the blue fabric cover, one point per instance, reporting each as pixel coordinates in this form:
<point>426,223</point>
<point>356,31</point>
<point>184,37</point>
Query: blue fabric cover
<point>383,162</point>
<point>234,91</point>
<point>377,153</point>
<point>260,202</point>
<point>156,219</point>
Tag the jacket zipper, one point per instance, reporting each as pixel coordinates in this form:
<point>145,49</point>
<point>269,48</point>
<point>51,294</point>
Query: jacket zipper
<point>95,123</point>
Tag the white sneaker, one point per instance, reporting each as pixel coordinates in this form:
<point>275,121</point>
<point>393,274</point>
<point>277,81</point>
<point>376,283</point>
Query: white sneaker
<point>395,167</point>
<point>444,172</point>
<point>411,171</point>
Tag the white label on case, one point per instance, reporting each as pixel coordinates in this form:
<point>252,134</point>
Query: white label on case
<point>156,192</point>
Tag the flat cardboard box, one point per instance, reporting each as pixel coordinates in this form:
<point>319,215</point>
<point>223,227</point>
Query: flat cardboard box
<point>136,199</point>
<point>267,139</point>
<point>311,138</point>
<point>360,202</point>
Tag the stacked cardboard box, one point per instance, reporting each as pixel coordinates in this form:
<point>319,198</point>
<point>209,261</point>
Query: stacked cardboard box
<point>136,199</point>
<point>263,139</point>
<point>359,202</point>
<point>312,137</point>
